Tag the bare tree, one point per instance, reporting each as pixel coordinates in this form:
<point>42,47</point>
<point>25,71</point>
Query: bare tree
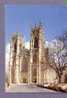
<point>57,57</point>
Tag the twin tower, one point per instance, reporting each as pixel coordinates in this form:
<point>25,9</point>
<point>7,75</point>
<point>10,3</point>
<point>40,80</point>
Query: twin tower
<point>37,59</point>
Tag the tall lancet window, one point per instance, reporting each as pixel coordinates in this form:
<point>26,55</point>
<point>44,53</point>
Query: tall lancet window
<point>36,44</point>
<point>15,46</point>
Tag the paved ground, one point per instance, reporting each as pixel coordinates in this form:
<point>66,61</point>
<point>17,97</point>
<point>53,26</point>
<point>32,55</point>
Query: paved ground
<point>27,88</point>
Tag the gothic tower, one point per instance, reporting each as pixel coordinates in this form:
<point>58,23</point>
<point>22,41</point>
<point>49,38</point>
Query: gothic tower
<point>35,69</point>
<point>16,46</point>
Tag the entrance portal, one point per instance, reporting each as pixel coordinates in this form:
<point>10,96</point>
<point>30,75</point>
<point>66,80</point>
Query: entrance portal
<point>34,75</point>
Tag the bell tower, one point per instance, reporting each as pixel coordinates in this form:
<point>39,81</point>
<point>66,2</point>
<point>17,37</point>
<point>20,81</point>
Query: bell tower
<point>35,68</point>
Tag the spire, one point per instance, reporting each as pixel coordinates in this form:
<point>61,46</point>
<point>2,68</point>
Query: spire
<point>35,25</point>
<point>40,24</point>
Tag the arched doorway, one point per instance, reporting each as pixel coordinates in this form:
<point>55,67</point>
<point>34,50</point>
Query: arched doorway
<point>34,75</point>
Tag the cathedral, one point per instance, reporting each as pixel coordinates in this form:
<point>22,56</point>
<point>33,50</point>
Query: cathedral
<point>30,65</point>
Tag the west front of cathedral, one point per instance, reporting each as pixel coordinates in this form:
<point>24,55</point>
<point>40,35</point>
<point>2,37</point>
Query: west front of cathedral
<point>30,65</point>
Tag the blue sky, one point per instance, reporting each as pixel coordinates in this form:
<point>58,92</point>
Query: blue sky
<point>21,18</point>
